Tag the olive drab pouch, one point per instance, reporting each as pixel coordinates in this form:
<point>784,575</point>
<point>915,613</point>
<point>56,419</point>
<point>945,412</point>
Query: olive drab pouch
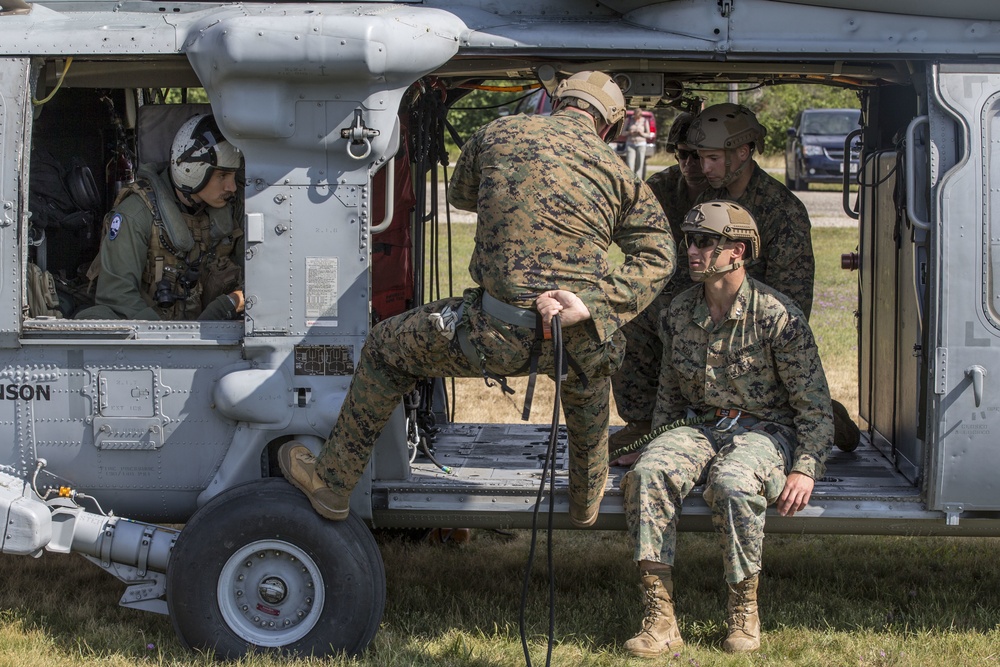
<point>43,300</point>
<point>221,276</point>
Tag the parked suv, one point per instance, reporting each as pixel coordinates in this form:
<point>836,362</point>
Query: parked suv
<point>814,152</point>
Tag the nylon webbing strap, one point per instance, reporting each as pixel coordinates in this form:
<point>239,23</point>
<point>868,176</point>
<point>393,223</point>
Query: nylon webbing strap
<point>472,354</point>
<point>519,317</point>
<point>462,331</point>
<point>529,391</point>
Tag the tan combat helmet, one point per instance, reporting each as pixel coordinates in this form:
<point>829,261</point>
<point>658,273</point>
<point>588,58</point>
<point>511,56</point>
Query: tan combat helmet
<point>598,91</point>
<point>725,127</point>
<point>727,220</point>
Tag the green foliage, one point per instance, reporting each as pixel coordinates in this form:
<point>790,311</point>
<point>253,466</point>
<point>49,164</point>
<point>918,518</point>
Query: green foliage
<point>479,107</point>
<point>184,95</point>
<point>777,105</point>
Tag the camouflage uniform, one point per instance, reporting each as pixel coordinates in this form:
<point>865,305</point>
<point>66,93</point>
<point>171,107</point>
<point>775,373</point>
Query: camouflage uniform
<point>150,236</point>
<point>787,262</point>
<point>551,197</point>
<point>634,385</point>
<point>761,360</point>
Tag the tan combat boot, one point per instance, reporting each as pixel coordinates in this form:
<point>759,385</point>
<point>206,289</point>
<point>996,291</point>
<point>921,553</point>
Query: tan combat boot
<point>744,622</point>
<point>628,434</point>
<point>659,626</point>
<point>298,465</point>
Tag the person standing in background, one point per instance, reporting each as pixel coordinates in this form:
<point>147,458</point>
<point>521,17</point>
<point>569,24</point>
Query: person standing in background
<point>637,132</point>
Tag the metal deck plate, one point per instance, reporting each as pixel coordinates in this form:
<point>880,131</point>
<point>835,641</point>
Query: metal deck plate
<point>495,471</point>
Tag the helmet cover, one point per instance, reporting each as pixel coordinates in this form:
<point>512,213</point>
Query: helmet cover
<point>678,131</point>
<point>724,127</point>
<point>599,91</point>
<point>729,221</point>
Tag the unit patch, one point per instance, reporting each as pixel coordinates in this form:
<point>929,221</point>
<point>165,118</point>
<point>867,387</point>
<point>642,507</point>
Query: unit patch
<point>116,224</point>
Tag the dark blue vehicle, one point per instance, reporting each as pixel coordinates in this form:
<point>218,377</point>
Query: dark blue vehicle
<point>814,152</point>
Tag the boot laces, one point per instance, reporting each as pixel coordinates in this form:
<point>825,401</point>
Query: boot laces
<point>741,608</point>
<point>653,613</point>
<point>305,457</point>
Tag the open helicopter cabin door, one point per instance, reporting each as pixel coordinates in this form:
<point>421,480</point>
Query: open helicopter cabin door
<point>964,319</point>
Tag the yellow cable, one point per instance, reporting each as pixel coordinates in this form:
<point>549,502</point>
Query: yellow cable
<point>62,77</point>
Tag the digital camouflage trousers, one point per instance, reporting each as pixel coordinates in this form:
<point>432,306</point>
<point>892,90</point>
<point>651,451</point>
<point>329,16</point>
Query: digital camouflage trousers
<point>422,343</point>
<point>635,383</point>
<point>744,472</point>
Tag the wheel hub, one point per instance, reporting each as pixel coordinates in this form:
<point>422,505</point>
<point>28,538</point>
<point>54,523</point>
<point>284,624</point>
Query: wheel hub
<point>272,590</point>
<point>271,593</point>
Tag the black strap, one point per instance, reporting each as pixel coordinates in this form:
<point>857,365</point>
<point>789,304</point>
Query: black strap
<point>529,392</point>
<point>536,351</point>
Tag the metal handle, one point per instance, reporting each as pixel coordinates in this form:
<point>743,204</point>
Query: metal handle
<point>977,373</point>
<point>911,177</point>
<point>851,213</point>
<point>390,197</point>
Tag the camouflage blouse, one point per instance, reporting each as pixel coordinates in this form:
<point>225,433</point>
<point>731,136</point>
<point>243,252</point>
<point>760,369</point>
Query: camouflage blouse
<point>551,198</point>
<point>762,359</point>
<point>787,263</point>
<point>671,191</point>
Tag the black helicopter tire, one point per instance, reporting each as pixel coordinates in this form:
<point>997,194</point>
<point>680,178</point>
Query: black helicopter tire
<point>256,570</point>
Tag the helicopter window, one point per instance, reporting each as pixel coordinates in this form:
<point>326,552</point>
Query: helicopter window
<point>77,169</point>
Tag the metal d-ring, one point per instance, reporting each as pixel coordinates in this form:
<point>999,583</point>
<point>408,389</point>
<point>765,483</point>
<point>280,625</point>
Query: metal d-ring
<point>358,133</point>
<point>368,148</point>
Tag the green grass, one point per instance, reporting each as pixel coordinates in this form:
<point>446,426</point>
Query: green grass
<point>825,600</point>
<point>833,318</point>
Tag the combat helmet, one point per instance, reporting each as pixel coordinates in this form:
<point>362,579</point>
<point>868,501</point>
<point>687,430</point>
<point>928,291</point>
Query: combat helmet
<point>724,127</point>
<point>198,148</point>
<point>678,131</point>
<point>727,220</point>
<point>595,90</point>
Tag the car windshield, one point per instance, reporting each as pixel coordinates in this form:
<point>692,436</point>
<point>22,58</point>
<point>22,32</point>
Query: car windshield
<point>830,122</point>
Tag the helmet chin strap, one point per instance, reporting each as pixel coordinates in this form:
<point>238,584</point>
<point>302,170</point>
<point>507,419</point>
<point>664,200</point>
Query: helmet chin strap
<point>702,276</point>
<point>731,176</point>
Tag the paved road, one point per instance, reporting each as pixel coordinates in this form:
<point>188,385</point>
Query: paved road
<point>825,208</point>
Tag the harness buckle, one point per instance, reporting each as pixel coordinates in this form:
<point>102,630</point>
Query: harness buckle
<point>727,418</point>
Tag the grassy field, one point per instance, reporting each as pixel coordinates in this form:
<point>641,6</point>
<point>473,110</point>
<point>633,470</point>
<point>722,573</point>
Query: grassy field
<point>825,600</point>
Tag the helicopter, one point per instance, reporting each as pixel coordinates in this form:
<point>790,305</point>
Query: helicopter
<point>149,447</point>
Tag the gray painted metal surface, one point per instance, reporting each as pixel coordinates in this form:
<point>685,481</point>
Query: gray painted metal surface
<point>154,420</point>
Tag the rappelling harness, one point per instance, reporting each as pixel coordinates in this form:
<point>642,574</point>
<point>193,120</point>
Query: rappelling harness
<point>723,420</point>
<point>521,317</point>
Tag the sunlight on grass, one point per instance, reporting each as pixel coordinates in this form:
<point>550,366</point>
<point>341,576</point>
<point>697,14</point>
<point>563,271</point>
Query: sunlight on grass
<point>866,601</point>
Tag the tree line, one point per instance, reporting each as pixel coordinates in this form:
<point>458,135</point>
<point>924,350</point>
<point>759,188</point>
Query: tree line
<point>775,106</point>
